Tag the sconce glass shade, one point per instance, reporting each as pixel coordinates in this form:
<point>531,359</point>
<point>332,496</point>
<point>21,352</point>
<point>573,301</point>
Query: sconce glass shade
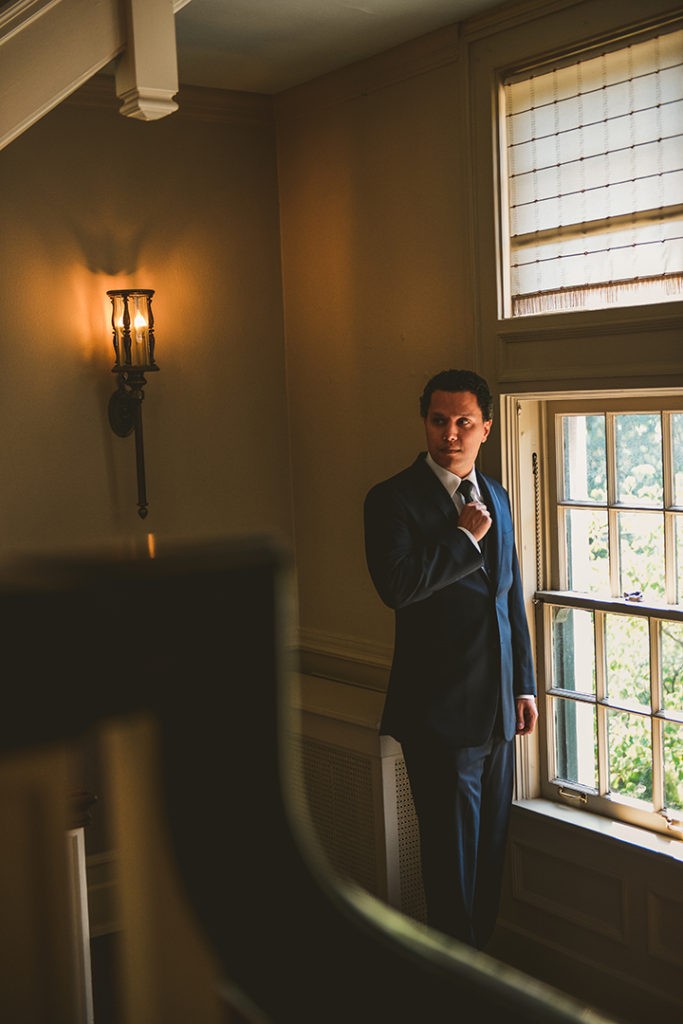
<point>132,324</point>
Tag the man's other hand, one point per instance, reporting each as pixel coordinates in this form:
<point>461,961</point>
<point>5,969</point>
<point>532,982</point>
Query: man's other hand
<point>527,713</point>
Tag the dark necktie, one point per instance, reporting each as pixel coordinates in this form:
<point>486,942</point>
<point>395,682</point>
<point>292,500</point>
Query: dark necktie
<point>466,489</point>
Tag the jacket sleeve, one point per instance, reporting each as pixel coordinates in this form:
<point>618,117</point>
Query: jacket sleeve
<point>408,564</point>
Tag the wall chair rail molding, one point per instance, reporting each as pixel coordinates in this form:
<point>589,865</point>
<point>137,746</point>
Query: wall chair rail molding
<point>344,659</point>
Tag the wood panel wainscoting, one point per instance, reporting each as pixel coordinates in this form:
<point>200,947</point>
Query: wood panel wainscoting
<point>589,907</point>
<point>352,784</point>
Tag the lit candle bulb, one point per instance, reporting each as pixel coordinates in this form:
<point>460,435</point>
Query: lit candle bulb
<point>140,325</point>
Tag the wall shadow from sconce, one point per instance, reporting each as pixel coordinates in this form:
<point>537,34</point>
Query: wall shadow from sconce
<point>110,251</point>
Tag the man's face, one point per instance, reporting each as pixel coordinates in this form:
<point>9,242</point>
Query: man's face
<point>455,429</point>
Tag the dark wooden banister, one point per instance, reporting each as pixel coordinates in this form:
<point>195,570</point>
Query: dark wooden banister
<point>196,639</point>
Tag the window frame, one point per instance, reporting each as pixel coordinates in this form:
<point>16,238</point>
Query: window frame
<point>587,405</point>
<point>561,55</point>
<point>599,798</point>
<point>528,432</point>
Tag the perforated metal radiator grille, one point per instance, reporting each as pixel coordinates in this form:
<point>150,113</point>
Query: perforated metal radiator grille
<point>408,839</point>
<point>337,784</point>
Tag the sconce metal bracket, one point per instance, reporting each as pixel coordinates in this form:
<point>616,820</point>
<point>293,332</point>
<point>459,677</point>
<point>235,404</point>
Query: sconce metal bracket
<point>122,412</point>
<point>125,417</point>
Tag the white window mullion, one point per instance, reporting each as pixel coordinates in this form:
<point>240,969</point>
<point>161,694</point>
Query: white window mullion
<point>600,693</point>
<point>549,683</point>
<point>657,724</point>
<point>668,458</point>
<point>504,205</point>
<point>612,521</point>
<point>669,501</point>
<point>670,558</point>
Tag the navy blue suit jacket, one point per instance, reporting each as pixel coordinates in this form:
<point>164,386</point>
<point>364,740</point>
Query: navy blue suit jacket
<point>462,642</point>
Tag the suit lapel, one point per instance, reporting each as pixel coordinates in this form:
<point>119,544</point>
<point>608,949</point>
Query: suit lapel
<point>495,535</point>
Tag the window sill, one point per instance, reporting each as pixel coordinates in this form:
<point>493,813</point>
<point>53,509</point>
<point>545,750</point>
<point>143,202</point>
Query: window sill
<point>660,610</point>
<point>598,321</point>
<point>606,828</point>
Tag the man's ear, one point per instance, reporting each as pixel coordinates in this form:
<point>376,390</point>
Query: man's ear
<point>487,428</point>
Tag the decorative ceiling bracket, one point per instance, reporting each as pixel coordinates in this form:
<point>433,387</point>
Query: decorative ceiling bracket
<point>147,73</point>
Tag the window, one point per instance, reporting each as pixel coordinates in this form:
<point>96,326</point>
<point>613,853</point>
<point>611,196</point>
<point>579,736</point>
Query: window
<point>593,145</point>
<point>612,630</point>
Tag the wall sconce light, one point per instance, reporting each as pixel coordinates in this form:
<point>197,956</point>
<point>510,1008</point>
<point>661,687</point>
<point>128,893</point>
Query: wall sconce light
<point>132,324</point>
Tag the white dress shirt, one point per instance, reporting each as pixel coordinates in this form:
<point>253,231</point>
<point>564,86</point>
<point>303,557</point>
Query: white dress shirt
<point>451,481</point>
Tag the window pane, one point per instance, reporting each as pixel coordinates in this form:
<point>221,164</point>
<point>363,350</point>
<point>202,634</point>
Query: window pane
<point>673,765</point>
<point>588,145</point>
<point>639,459</point>
<point>641,553</point>
<point>587,543</point>
<point>573,650</point>
<point>575,742</point>
<point>627,650</point>
<point>585,469</point>
<point>677,428</point>
<point>630,755</point>
<point>671,648</point>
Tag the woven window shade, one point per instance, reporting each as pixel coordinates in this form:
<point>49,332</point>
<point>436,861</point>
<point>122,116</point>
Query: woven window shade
<point>595,179</point>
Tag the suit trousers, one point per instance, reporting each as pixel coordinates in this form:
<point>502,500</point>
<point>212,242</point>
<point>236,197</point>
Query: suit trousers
<point>462,798</point>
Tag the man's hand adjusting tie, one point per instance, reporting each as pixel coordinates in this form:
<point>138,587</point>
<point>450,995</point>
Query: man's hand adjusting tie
<point>475,516</point>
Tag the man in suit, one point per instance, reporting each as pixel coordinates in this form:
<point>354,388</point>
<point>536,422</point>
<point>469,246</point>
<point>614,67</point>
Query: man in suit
<point>440,550</point>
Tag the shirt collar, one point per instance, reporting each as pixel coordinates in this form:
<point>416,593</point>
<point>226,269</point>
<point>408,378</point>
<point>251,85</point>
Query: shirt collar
<point>451,481</point>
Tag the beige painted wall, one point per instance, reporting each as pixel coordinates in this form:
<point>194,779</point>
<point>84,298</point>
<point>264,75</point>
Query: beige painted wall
<point>89,201</point>
<point>390,254</point>
<point>376,300</point>
<point>387,175</point>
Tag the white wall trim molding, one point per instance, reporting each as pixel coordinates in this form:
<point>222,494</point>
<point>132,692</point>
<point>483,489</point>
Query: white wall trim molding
<point>522,34</point>
<point>609,919</point>
<point>21,14</point>
<point>527,778</point>
<point>586,901</point>
<point>102,879</point>
<point>340,705</point>
<point>417,57</point>
<point>147,72</point>
<point>217,106</point>
<point>78,890</point>
<point>48,50</point>
<point>564,348</point>
<point>519,12</point>
<point>607,978</point>
<point>222,106</point>
<point>344,659</point>
<point>625,319</point>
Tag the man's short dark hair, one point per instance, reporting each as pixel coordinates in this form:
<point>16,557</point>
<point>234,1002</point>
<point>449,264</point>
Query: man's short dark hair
<point>459,380</point>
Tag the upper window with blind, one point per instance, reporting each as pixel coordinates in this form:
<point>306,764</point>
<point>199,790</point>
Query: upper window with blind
<point>594,170</point>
